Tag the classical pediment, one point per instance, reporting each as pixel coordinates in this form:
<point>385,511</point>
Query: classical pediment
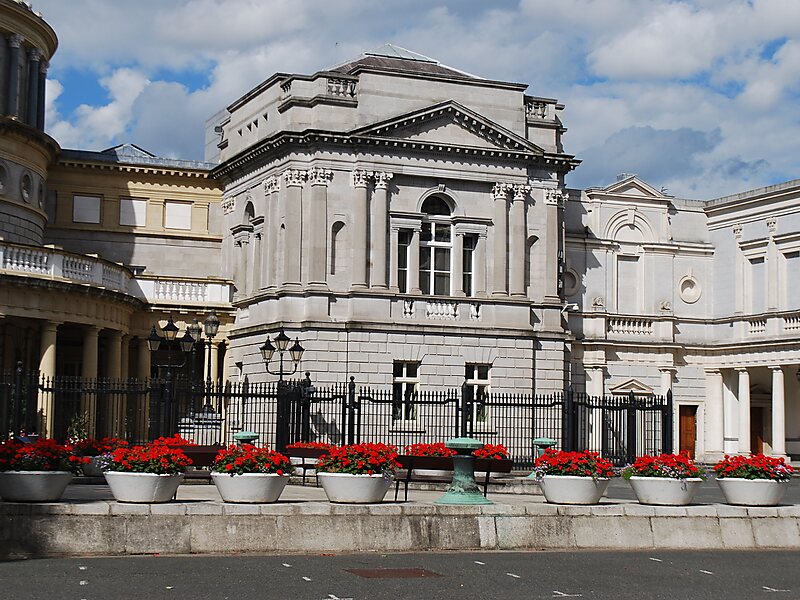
<point>449,124</point>
<point>633,186</point>
<point>631,385</point>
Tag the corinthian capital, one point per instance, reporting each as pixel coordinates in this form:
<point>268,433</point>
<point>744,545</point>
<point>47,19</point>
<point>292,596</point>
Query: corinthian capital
<point>272,185</point>
<point>360,178</point>
<point>14,40</point>
<point>520,191</point>
<point>555,197</point>
<point>500,191</point>
<point>34,54</point>
<point>317,176</point>
<point>294,177</point>
<point>382,180</point>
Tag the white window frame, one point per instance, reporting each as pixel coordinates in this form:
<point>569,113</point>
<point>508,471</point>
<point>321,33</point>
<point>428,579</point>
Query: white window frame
<point>480,386</point>
<point>409,386</point>
<point>427,279</point>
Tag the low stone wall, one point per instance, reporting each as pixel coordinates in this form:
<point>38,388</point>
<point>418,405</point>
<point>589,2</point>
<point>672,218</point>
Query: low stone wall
<point>109,528</point>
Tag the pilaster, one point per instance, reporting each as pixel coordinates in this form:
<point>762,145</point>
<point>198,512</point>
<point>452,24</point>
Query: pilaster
<point>360,181</point>
<point>380,224</point>
<point>500,234</point>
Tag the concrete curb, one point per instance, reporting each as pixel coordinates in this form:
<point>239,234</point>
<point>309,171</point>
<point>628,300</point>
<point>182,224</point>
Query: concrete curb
<point>111,528</point>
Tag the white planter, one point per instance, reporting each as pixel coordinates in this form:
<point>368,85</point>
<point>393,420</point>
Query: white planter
<point>356,489</point>
<point>571,489</point>
<point>92,468</point>
<point>33,486</point>
<point>752,492</point>
<point>250,487</point>
<point>142,487</point>
<point>665,491</point>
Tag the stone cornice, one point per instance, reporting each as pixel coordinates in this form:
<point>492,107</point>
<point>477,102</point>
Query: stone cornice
<point>141,169</point>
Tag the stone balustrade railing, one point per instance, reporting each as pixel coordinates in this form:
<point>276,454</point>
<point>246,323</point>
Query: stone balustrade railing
<point>161,290</point>
<point>630,326</point>
<point>434,309</point>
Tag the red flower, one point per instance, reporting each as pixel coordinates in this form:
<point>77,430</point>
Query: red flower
<point>755,466</point>
<point>155,457</point>
<point>582,464</point>
<point>436,449</point>
<point>237,460</point>
<point>359,459</point>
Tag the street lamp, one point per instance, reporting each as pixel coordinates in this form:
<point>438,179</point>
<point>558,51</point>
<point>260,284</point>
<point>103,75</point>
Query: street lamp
<point>210,327</point>
<point>281,344</point>
<point>170,338</point>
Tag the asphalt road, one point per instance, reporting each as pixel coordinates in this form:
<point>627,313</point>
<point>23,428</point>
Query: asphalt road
<point>441,576</point>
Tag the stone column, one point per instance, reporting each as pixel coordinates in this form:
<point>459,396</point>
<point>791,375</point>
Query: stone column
<point>413,263</point>
<point>380,224</point>
<point>360,181</point>
<point>778,412</point>
<point>666,375</point>
<point>292,242</point>
<point>89,368</point>
<point>516,241</point>
<point>744,411</point>
<point>500,195</point>
<point>34,56</point>
<point>114,361</point>
<point>458,264</point>
<point>714,416</point>
<point>316,234</point>
<point>14,42</point>
<point>40,106</point>
<point>143,360</point>
<point>47,370</point>
<point>394,242</point>
<point>114,405</point>
<point>479,266</point>
<point>553,200</point>
<point>595,387</point>
<point>125,357</point>
<point>214,373</point>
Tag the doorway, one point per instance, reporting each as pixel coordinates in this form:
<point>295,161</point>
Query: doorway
<point>756,430</point>
<point>687,429</point>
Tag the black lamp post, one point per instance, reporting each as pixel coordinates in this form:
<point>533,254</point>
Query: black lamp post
<point>284,409</point>
<point>210,328</point>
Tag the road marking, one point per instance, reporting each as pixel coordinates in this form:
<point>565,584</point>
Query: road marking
<point>83,582</point>
<point>769,589</point>
<point>81,568</point>
<point>656,559</point>
<point>477,562</point>
<point>706,572</point>
<point>306,578</point>
<point>286,565</point>
<point>513,575</point>
<point>169,587</point>
<point>558,594</point>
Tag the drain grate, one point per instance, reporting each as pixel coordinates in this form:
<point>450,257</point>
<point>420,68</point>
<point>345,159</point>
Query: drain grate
<point>411,573</point>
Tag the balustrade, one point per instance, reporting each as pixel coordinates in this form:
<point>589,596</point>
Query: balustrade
<point>630,326</point>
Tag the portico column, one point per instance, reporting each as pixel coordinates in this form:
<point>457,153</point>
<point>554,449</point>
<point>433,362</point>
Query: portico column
<point>714,416</point>
<point>316,236</point>
<point>14,42</point>
<point>125,357</point>
<point>516,241</point>
<point>458,264</point>
<point>214,361</point>
<point>33,86</point>
<point>40,106</point>
<point>479,266</point>
<point>666,375</point>
<point>394,242</point>
<point>114,404</point>
<point>360,181</point>
<point>114,362</point>
<point>778,412</point>
<point>500,195</point>
<point>413,263</point>
<point>553,199</point>
<point>143,374</point>
<point>292,242</point>
<point>744,411</point>
<point>89,371</point>
<point>143,360</point>
<point>47,371</point>
<point>380,224</point>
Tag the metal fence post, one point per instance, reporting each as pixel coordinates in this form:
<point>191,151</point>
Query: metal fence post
<point>351,411</point>
<point>667,425</point>
<point>466,410</point>
<point>630,448</point>
<point>569,437</point>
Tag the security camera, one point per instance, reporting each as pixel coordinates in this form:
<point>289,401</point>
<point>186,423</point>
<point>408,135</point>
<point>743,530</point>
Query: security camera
<point>569,308</point>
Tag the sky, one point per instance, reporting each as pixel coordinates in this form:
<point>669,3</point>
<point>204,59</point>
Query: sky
<point>699,98</point>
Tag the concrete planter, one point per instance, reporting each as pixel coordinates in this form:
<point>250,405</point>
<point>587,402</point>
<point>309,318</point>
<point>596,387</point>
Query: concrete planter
<point>665,491</point>
<point>92,468</point>
<point>571,489</point>
<point>142,487</point>
<point>258,488</point>
<point>355,489</point>
<point>752,492</point>
<point>33,486</point>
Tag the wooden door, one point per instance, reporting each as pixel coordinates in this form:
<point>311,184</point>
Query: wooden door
<point>756,430</point>
<point>687,429</point>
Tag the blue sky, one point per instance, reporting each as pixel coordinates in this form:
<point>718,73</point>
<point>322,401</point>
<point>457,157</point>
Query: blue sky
<point>698,97</point>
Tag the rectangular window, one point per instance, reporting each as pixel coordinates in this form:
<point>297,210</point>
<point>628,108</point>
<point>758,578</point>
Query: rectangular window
<point>425,269</point>
<point>441,268</point>
<point>757,285</point>
<point>404,390</point>
<point>792,279</point>
<point>403,243</point>
<point>86,209</point>
<point>470,242</point>
<point>133,212</point>
<point>178,215</point>
<point>476,378</point>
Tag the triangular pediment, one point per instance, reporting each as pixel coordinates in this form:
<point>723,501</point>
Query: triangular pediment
<point>449,123</point>
<point>635,187</point>
<point>631,385</point>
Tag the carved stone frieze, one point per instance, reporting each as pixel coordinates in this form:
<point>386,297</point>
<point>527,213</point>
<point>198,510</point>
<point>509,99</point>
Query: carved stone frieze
<point>318,176</point>
<point>272,185</point>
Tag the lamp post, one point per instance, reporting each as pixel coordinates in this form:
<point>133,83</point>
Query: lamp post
<point>284,410</point>
<point>210,328</point>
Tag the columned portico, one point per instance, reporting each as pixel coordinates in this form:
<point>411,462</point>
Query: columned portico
<point>743,397</point>
<point>778,411</point>
<point>360,181</point>
<point>500,196</point>
<point>380,215</point>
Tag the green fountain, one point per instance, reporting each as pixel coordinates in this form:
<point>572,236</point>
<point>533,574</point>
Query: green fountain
<point>463,490</point>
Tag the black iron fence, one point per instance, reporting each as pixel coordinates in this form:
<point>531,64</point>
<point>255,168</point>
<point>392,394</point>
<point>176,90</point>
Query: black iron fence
<point>279,413</point>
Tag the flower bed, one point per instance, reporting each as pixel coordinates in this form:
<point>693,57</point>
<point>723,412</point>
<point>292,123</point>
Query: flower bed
<point>671,466</point>
<point>42,455</point>
<point>580,464</point>
<point>157,458</point>
<point>435,449</point>
<point>237,460</point>
<point>492,451</point>
<point>359,459</point>
<point>756,466</point>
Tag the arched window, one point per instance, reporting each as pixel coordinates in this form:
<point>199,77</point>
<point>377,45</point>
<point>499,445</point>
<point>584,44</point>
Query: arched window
<point>436,244</point>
